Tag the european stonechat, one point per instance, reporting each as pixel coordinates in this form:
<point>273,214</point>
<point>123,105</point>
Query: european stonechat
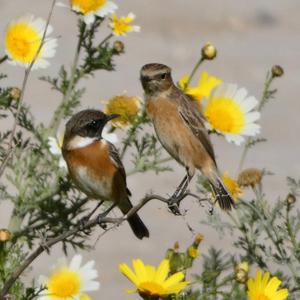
<point>95,166</point>
<point>179,125</point>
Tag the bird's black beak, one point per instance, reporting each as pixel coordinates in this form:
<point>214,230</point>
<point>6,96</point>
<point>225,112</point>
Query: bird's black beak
<point>111,117</point>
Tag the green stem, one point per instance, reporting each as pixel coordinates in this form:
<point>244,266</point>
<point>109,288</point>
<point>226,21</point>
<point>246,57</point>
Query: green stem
<point>196,67</point>
<point>3,59</point>
<point>59,113</point>
<point>106,40</point>
<point>263,99</point>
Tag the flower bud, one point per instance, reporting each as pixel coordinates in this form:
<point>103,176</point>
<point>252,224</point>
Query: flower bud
<point>119,47</point>
<point>193,252</point>
<point>5,235</point>
<point>241,272</point>
<point>250,177</point>
<point>15,93</point>
<point>198,239</point>
<point>290,199</point>
<point>176,246</point>
<point>277,71</point>
<point>209,51</point>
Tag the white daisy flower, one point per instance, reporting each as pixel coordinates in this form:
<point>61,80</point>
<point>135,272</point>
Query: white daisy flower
<point>230,111</point>
<point>91,8</point>
<point>55,147</point>
<point>70,282</point>
<point>23,38</point>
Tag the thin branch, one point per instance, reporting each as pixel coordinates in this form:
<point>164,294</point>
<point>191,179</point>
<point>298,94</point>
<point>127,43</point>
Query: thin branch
<point>26,76</point>
<point>102,218</point>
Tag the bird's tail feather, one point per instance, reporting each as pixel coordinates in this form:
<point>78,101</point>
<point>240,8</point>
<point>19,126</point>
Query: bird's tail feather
<point>138,227</point>
<point>223,197</point>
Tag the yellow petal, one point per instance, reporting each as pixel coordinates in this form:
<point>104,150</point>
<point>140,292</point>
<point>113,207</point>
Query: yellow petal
<point>175,289</point>
<point>174,279</point>
<point>162,271</point>
<point>125,270</point>
<point>150,272</point>
<point>140,270</point>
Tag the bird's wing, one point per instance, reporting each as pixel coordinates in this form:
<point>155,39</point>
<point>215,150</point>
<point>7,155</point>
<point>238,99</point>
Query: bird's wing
<point>191,114</point>
<point>115,158</point>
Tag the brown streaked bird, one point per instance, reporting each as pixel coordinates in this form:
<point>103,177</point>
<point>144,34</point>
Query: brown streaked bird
<point>95,166</point>
<point>179,125</point>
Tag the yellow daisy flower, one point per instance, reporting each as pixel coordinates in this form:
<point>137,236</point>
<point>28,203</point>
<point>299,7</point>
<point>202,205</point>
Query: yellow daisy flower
<point>204,87</point>
<point>91,8</point>
<point>151,281</point>
<point>232,186</point>
<point>23,38</point>
<point>127,107</point>
<point>263,288</point>
<point>120,26</point>
<point>230,111</point>
<point>70,282</point>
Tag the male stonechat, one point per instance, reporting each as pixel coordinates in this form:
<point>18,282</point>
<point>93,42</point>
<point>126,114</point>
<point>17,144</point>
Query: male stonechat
<point>179,125</point>
<point>95,166</point>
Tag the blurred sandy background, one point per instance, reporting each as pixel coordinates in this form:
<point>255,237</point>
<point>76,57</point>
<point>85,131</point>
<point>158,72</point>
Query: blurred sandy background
<point>251,36</point>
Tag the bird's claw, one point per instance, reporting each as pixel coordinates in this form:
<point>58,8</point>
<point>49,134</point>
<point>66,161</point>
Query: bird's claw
<point>173,206</point>
<point>100,222</point>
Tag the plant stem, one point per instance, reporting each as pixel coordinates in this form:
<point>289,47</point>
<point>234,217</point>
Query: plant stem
<point>26,76</point>
<point>196,67</point>
<point>263,99</point>
<point>59,113</point>
<point>3,59</point>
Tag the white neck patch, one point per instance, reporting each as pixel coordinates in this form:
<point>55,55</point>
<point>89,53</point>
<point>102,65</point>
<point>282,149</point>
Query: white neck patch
<point>79,142</point>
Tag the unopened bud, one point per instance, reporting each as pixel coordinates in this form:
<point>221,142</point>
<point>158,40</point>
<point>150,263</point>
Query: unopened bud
<point>241,272</point>
<point>119,47</point>
<point>209,51</point>
<point>176,246</point>
<point>277,71</point>
<point>290,199</point>
<point>5,235</point>
<point>250,177</point>
<point>198,239</point>
<point>15,93</point>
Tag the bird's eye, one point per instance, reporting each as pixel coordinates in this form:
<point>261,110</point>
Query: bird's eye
<point>163,76</point>
<point>93,124</point>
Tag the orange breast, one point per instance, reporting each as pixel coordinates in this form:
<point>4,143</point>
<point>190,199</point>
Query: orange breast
<point>92,169</point>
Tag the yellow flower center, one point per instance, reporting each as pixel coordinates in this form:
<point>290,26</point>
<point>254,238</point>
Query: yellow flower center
<point>64,283</point>
<point>225,115</point>
<point>263,297</point>
<point>193,252</point>
<point>150,288</point>
<point>125,106</point>
<point>120,26</point>
<point>22,42</point>
<point>88,6</point>
<point>232,186</point>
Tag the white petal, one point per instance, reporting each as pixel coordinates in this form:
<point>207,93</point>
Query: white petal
<point>90,286</point>
<point>252,117</point>
<point>235,138</point>
<point>240,95</point>
<point>136,28</point>
<point>49,48</point>
<point>89,18</point>
<point>251,129</point>
<point>62,163</point>
<point>108,8</point>
<point>53,146</point>
<point>75,262</point>
<point>230,91</point>
<point>249,103</point>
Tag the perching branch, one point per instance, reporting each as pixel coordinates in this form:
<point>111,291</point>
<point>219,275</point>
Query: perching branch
<point>100,219</point>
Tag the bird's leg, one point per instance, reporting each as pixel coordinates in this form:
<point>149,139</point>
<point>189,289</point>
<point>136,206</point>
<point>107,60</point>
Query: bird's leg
<point>103,215</point>
<point>175,199</point>
<point>85,219</point>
